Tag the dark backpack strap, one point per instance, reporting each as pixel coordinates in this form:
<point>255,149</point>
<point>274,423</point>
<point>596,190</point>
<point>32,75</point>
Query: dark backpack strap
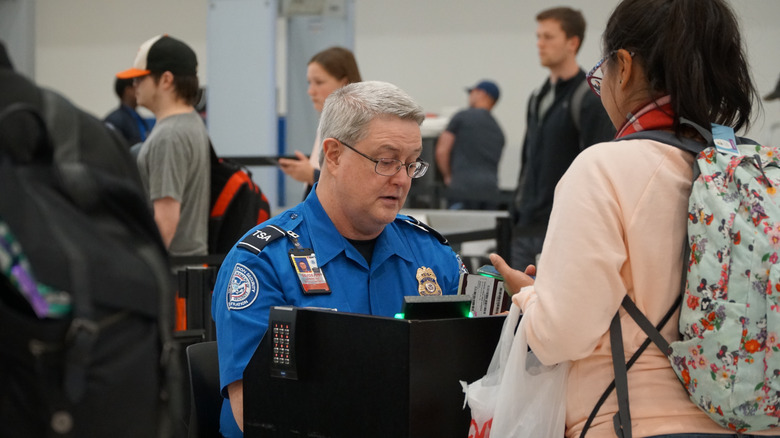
<point>630,362</point>
<point>533,104</point>
<point>622,419</point>
<point>63,127</point>
<point>684,143</point>
<point>213,154</point>
<point>653,333</point>
<point>669,138</point>
<point>575,108</point>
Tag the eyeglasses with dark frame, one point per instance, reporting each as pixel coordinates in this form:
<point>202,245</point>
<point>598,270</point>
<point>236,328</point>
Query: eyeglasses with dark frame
<point>391,166</point>
<point>593,79</point>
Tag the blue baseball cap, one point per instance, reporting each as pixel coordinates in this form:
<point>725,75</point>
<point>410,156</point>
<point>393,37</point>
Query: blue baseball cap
<point>488,87</point>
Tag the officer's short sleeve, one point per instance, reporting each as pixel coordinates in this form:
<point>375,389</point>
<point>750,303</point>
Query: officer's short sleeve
<point>247,286</point>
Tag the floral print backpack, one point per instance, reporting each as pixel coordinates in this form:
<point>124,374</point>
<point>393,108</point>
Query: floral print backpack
<point>728,357</point>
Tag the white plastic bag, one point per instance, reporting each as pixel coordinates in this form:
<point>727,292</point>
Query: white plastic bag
<point>518,397</point>
<point>481,396</point>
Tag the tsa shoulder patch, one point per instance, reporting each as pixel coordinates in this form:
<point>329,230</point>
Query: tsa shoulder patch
<point>242,289</point>
<point>256,241</point>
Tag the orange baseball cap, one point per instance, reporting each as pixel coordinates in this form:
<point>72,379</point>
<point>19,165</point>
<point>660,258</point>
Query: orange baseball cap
<point>160,54</point>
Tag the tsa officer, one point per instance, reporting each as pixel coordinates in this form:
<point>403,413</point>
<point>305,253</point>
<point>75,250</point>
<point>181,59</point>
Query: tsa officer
<point>359,255</point>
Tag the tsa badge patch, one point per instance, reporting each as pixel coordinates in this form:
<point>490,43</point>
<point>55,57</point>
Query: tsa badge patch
<point>426,282</point>
<point>242,290</point>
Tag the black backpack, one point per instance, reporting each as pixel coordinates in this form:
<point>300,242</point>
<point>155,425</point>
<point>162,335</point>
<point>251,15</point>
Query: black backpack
<point>85,231</point>
<point>237,204</point>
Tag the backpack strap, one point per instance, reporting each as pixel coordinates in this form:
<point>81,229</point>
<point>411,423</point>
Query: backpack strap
<point>630,362</point>
<point>63,127</point>
<point>258,240</point>
<point>652,332</point>
<point>575,107</point>
<point>653,335</point>
<point>213,154</point>
<point>533,104</point>
<point>575,103</point>
<point>684,143</point>
<point>621,420</point>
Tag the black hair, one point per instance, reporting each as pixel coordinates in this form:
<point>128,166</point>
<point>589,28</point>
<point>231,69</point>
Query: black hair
<point>691,50</point>
<point>120,85</point>
<point>187,87</point>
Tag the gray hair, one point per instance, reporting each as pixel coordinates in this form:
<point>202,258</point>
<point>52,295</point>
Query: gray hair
<point>348,110</point>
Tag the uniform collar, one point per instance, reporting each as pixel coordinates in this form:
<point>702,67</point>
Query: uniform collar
<point>327,243</point>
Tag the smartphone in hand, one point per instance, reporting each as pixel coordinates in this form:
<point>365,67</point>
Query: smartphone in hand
<point>490,271</point>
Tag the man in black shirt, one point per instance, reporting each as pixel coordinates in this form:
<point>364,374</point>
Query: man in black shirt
<point>563,118</point>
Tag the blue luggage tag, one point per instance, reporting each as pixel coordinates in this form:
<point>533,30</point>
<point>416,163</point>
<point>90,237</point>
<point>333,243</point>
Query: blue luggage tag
<point>725,141</point>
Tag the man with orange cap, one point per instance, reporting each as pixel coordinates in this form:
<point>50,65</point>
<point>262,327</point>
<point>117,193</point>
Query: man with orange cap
<point>174,161</point>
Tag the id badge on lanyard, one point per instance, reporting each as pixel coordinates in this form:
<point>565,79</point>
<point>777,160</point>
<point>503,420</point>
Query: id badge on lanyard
<point>723,137</point>
<point>304,263</point>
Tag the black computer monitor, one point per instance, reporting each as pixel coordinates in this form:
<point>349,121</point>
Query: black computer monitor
<point>357,376</point>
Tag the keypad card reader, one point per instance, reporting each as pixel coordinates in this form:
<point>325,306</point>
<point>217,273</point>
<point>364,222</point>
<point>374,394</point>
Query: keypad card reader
<point>281,328</point>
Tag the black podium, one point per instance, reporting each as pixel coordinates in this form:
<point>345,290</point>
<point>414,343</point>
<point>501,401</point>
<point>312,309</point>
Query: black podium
<point>330,374</point>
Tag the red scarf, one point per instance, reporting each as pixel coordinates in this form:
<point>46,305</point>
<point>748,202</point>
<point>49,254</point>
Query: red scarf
<point>656,115</point>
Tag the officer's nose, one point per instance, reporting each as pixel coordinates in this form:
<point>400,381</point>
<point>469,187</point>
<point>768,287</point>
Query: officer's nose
<point>401,178</point>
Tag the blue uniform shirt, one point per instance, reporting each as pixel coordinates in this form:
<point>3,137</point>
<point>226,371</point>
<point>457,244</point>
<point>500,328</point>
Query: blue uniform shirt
<point>250,283</point>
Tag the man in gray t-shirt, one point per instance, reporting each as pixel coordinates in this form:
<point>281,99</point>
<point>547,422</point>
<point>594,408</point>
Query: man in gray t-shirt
<point>469,150</point>
<point>174,162</point>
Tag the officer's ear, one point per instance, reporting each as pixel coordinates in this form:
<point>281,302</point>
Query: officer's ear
<point>331,152</point>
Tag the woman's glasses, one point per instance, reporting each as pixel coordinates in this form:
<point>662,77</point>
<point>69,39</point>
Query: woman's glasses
<point>596,74</point>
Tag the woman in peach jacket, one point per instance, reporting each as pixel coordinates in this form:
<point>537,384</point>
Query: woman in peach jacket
<point>619,215</point>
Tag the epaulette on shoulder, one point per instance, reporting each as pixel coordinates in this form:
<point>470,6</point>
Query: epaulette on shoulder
<point>422,226</point>
<point>258,240</point>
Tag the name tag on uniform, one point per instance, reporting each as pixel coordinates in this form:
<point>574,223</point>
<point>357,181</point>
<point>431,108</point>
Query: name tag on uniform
<point>309,273</point>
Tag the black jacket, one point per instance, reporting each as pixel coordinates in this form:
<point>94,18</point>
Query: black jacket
<point>551,144</point>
